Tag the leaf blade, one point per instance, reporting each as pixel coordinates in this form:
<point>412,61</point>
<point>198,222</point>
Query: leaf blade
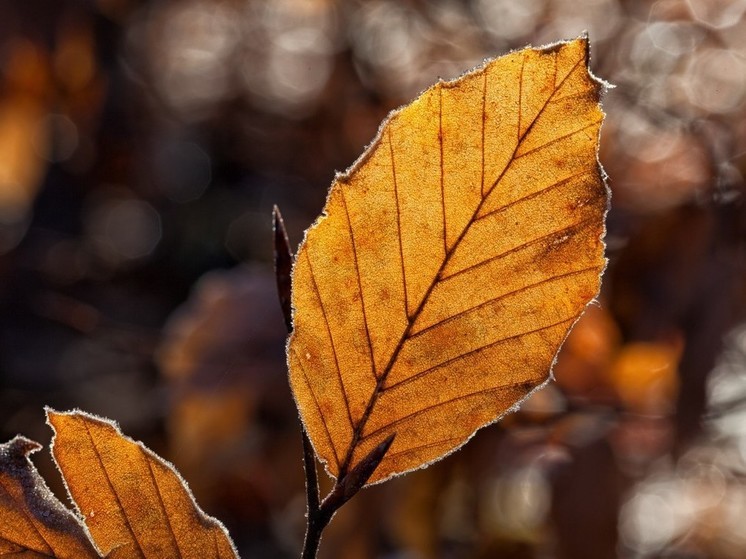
<point>448,252</point>
<point>135,504</point>
<point>34,523</point>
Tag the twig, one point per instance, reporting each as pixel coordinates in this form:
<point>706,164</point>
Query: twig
<point>283,257</point>
<point>318,514</point>
<point>342,492</point>
<point>283,266</point>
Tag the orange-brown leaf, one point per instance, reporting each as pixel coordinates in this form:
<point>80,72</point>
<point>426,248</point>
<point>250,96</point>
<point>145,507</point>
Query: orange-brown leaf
<point>33,523</point>
<point>134,503</point>
<point>450,262</point>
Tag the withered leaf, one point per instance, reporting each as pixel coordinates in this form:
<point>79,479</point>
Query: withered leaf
<point>451,260</point>
<point>33,523</point>
<point>134,503</point>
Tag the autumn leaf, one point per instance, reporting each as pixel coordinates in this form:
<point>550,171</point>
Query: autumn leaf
<point>33,523</point>
<point>451,260</point>
<point>133,503</point>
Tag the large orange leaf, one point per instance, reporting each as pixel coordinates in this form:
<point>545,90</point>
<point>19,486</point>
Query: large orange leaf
<point>33,523</point>
<point>134,503</point>
<point>451,260</point>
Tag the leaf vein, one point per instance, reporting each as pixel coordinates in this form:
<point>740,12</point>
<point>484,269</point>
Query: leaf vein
<point>533,195</point>
<point>417,448</point>
<point>398,226</point>
<point>559,139</point>
<point>522,289</point>
<point>163,508</point>
<point>359,286</point>
<point>442,170</point>
<point>331,340</point>
<point>453,400</point>
<point>518,248</point>
<point>484,123</point>
<point>474,351</point>
<point>554,78</point>
<point>576,95</point>
<point>519,136</point>
<point>23,548</point>
<point>318,407</point>
<point>125,517</point>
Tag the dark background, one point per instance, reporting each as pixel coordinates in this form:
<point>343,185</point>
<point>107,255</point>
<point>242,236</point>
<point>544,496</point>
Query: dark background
<point>142,146</point>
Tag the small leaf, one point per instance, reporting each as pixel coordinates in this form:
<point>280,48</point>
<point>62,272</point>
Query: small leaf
<point>33,523</point>
<point>134,503</point>
<point>450,262</point>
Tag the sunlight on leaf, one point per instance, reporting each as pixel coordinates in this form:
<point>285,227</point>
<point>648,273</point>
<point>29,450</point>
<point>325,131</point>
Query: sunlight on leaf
<point>450,262</point>
<point>33,523</point>
<point>134,503</point>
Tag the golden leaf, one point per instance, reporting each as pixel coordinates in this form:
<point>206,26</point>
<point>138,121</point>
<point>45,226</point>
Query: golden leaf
<point>33,523</point>
<point>451,260</point>
<point>134,503</point>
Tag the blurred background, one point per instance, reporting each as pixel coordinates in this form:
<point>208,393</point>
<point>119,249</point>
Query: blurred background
<point>142,146</point>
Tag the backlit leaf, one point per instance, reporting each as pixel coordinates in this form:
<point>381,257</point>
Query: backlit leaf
<point>450,262</point>
<point>134,503</point>
<point>33,523</point>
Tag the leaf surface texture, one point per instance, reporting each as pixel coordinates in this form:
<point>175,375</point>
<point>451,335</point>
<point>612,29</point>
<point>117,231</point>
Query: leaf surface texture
<point>134,503</point>
<point>451,261</point>
<point>33,523</point>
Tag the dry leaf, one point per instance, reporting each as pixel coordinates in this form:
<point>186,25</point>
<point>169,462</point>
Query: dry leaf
<point>134,503</point>
<point>33,523</point>
<point>451,260</point>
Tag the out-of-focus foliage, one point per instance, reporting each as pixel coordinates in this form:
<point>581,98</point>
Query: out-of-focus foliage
<point>142,145</point>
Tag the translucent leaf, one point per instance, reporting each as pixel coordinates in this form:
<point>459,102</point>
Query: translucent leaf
<point>134,503</point>
<point>33,523</point>
<point>451,261</point>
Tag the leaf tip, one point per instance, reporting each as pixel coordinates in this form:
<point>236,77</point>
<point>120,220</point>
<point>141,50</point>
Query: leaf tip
<point>51,416</point>
<point>277,221</point>
<point>283,263</point>
<point>584,38</point>
<point>19,446</point>
<point>54,417</point>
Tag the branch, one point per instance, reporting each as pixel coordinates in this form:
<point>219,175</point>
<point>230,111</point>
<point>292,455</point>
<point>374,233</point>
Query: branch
<point>319,514</point>
<point>343,491</point>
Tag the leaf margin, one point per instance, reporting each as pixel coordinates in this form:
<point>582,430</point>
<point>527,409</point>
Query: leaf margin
<point>19,449</point>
